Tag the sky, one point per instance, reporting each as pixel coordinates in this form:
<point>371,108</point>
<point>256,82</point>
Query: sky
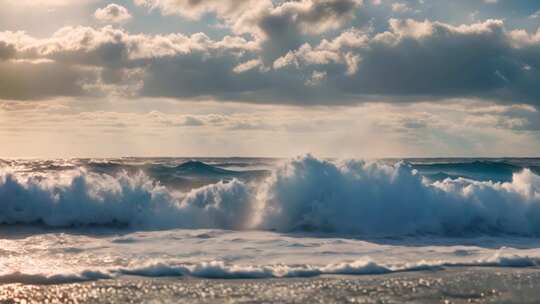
<point>336,78</point>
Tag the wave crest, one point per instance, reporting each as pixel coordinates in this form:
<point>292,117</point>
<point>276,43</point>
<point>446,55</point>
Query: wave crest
<point>81,198</point>
<point>375,199</point>
<point>305,193</point>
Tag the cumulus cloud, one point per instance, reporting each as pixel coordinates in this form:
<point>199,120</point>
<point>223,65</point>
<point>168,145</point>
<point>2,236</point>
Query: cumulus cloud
<point>311,16</point>
<point>243,15</point>
<point>277,26</point>
<point>416,60</point>
<point>399,7</point>
<point>248,65</point>
<point>316,78</point>
<point>341,50</point>
<point>112,13</point>
<point>440,60</point>
<point>300,52</point>
<point>110,55</point>
<point>536,15</point>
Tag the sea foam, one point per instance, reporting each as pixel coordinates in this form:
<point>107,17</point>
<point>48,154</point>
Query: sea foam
<point>302,194</point>
<point>222,270</point>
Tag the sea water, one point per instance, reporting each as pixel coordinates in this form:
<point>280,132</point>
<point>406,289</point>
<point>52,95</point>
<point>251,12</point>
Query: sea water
<point>78,220</point>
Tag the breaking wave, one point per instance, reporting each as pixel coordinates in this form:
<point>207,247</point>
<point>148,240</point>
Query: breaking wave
<point>303,194</point>
<point>222,270</point>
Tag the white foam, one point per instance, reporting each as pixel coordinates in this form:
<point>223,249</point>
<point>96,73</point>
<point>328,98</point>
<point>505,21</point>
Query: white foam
<point>368,199</point>
<point>374,199</point>
<point>222,270</point>
<point>80,198</point>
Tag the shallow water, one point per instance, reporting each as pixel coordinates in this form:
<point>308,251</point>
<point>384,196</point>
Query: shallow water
<point>39,256</point>
<point>460,285</point>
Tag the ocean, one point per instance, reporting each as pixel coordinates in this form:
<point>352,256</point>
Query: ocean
<point>269,223</point>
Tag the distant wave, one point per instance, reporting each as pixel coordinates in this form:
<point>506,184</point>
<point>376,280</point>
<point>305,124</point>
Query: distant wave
<point>185,176</point>
<point>188,168</point>
<point>498,171</point>
<point>222,270</point>
<point>303,194</point>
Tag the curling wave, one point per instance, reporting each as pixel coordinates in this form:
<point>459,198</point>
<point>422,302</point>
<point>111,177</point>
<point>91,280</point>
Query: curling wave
<point>303,194</point>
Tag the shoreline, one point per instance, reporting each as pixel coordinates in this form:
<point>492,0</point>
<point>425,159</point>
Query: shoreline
<point>455,285</point>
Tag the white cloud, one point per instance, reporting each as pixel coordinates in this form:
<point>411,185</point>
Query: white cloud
<point>248,65</point>
<point>412,60</point>
<point>253,16</point>
<point>112,13</point>
<point>399,7</point>
<point>536,15</point>
<point>113,46</point>
<point>340,50</point>
<point>99,61</point>
<point>316,78</point>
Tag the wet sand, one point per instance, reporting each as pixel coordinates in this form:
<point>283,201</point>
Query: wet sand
<point>464,285</point>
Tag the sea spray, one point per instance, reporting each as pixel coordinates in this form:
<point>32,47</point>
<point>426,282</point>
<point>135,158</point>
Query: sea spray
<point>302,194</point>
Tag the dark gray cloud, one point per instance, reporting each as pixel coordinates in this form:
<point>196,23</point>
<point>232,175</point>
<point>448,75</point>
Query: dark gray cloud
<point>413,61</point>
<point>285,26</point>
<point>483,60</point>
<point>87,61</point>
<point>425,60</point>
<point>279,25</point>
<point>445,62</point>
<point>7,51</point>
<point>294,52</point>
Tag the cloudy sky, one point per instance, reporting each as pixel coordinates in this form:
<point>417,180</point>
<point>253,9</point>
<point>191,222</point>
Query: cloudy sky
<point>344,78</point>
